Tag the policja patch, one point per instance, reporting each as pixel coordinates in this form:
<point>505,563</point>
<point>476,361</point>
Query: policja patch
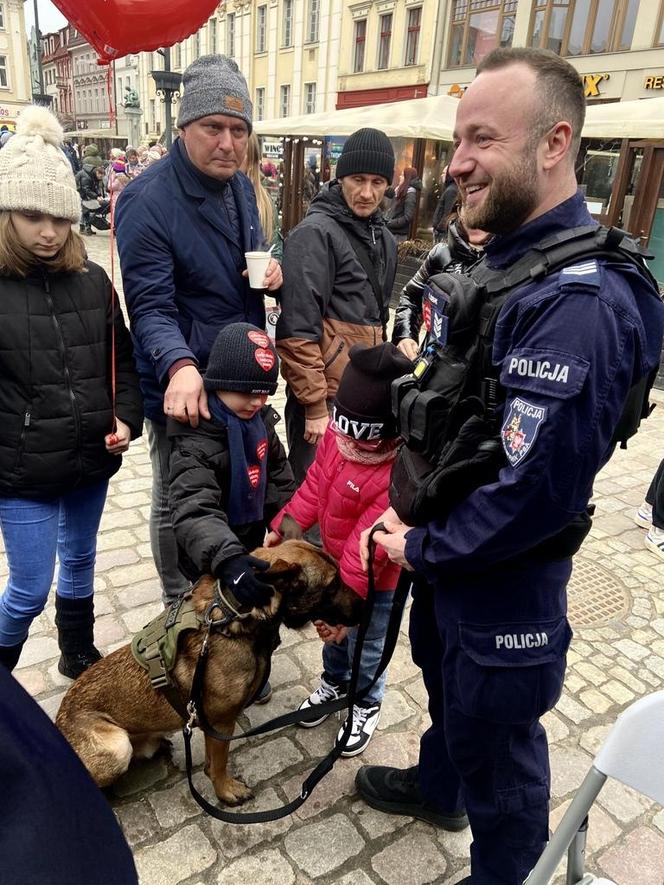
<point>520,429</point>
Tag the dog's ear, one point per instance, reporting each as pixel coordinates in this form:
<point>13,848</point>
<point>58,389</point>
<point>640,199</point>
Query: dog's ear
<point>281,569</point>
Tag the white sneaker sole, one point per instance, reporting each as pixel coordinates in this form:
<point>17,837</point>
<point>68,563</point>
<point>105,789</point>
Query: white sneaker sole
<point>654,548</point>
<point>642,521</point>
<point>351,751</point>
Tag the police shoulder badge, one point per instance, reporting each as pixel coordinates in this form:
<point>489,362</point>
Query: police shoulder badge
<point>520,428</point>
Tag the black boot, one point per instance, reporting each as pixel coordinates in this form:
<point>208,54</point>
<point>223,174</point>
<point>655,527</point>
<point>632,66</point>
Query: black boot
<point>9,655</point>
<point>75,619</point>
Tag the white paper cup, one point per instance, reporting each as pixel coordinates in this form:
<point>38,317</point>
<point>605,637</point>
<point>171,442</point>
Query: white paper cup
<point>257,265</point>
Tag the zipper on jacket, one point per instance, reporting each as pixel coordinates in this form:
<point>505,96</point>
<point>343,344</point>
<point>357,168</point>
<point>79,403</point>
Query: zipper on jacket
<point>67,374</point>
<point>336,353</point>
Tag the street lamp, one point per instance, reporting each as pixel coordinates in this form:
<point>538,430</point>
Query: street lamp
<point>167,83</point>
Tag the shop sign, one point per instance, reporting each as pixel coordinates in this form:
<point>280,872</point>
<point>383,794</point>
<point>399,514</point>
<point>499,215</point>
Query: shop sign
<point>591,84</point>
<point>272,150</point>
<point>655,81</point>
<point>6,112</point>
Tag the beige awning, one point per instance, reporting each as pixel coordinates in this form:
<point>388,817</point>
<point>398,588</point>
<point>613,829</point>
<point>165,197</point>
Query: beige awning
<point>431,117</point>
<point>643,118</point>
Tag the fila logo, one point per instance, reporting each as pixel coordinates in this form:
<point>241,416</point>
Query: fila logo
<point>352,486</point>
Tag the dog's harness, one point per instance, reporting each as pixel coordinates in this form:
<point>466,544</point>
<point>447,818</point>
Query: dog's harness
<point>155,647</point>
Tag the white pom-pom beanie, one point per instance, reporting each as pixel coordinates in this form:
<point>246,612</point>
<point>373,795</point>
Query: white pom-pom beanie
<point>35,174</point>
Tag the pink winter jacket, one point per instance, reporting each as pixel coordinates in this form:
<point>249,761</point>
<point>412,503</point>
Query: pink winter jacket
<point>345,498</point>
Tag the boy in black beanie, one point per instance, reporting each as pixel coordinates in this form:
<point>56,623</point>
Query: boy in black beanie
<point>229,476</point>
<point>345,491</point>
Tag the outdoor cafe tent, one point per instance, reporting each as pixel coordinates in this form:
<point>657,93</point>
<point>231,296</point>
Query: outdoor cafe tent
<point>434,118</point>
<point>643,118</point>
<point>415,118</point>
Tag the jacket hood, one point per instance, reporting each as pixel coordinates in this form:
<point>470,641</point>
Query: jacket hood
<point>415,184</point>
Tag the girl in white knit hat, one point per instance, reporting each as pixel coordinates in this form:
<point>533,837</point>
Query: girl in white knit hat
<point>62,435</point>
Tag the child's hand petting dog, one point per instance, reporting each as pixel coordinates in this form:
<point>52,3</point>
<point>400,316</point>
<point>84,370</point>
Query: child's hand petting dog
<point>328,633</point>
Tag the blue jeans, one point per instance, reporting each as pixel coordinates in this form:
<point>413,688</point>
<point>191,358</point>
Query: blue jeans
<point>34,531</point>
<point>338,657</point>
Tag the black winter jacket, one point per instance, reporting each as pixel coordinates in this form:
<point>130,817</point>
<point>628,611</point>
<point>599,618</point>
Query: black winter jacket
<point>87,183</point>
<point>55,394</point>
<point>327,301</point>
<point>455,257</point>
<point>402,212</point>
<point>198,494</point>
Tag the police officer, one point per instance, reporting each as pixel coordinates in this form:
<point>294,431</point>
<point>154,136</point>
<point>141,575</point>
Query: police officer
<point>488,622</point>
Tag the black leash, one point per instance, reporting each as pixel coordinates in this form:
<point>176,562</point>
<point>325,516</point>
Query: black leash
<point>197,714</point>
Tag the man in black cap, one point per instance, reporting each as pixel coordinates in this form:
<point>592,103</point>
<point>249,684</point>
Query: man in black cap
<point>339,267</point>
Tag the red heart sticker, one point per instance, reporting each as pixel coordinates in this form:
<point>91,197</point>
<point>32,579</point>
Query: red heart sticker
<point>264,358</point>
<point>122,27</point>
<point>261,449</point>
<point>259,338</point>
<point>254,474</point>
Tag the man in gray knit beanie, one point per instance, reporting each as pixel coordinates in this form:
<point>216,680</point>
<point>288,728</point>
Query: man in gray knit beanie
<point>213,84</point>
<point>183,228</point>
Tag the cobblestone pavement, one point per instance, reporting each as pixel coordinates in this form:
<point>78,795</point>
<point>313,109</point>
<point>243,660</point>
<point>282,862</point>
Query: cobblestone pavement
<point>617,655</point>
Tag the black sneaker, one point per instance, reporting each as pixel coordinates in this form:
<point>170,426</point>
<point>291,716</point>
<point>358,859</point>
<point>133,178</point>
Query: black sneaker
<point>397,791</point>
<point>326,691</point>
<point>365,720</point>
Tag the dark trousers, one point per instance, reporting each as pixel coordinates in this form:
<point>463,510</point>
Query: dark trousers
<point>301,454</point>
<point>486,750</point>
<point>655,497</point>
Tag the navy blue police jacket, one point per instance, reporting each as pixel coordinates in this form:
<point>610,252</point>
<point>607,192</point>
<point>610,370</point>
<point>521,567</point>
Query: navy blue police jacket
<point>182,259</point>
<point>568,349</point>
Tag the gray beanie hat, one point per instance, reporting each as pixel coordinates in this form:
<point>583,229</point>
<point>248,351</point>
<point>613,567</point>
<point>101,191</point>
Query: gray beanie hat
<point>35,174</point>
<point>213,84</point>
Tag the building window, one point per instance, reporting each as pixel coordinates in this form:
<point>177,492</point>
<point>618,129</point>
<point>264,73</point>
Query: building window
<point>287,26</point>
<point>413,35</point>
<point>312,21</point>
<point>260,103</point>
<point>197,44</point>
<point>385,41</point>
<point>583,27</point>
<point>152,113</point>
<point>360,41</point>
<point>659,35</point>
<point>284,101</point>
<point>478,26</point>
<point>178,56</point>
<point>3,71</point>
<point>230,35</point>
<point>212,36</point>
<point>309,98</point>
<point>2,17</point>
<point>261,29</point>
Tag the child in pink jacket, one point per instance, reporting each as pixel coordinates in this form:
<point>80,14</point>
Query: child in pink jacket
<point>345,491</point>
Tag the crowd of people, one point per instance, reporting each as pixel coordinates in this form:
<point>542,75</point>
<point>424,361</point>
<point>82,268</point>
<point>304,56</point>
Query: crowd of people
<point>488,560</point>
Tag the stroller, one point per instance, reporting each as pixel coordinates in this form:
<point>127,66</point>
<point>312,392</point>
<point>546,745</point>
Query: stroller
<point>632,754</point>
<point>98,213</point>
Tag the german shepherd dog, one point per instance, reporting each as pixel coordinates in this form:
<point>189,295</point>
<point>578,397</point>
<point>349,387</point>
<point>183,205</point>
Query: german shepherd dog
<point>112,712</point>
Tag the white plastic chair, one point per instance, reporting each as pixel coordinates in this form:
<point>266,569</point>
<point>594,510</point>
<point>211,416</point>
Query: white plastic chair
<point>632,754</point>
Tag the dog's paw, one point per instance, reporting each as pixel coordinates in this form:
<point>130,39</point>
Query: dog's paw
<point>233,792</point>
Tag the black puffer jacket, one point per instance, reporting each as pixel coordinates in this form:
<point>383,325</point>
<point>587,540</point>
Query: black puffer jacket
<point>402,211</point>
<point>198,494</point>
<point>454,257</point>
<point>55,393</point>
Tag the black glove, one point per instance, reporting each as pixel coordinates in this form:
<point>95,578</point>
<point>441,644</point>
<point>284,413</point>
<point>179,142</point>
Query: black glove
<point>238,573</point>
